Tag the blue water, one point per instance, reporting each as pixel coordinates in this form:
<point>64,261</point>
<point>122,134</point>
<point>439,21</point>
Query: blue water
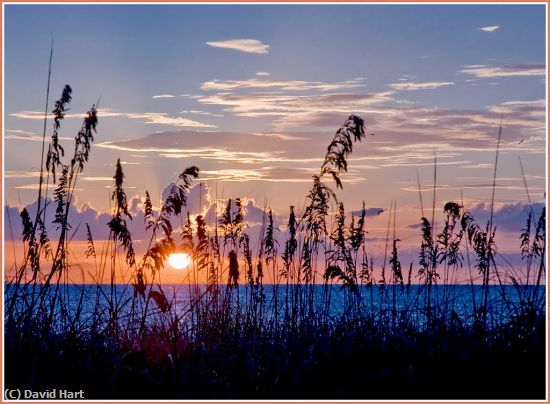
<point>92,302</point>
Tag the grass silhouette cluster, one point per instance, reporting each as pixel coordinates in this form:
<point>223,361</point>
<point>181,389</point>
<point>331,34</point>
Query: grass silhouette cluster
<point>238,337</point>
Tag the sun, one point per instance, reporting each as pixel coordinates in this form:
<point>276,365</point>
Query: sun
<point>179,260</point>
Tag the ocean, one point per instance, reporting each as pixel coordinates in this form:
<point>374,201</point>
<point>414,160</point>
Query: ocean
<point>459,303</point>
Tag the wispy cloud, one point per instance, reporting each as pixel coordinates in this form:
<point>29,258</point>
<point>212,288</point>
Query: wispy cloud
<point>535,109</point>
<point>30,115</point>
<point>263,74</point>
<point>225,147</point>
<point>220,154</point>
<point>405,77</point>
<point>269,174</point>
<point>292,85</point>
<point>27,186</point>
<point>163,96</point>
<point>281,136</point>
<point>328,110</point>
<point>126,163</point>
<point>161,118</point>
<point>97,178</point>
<point>292,110</point>
<point>158,118</point>
<point>15,134</point>
<point>21,174</point>
<point>242,45</point>
<point>223,155</point>
<point>200,113</point>
<point>102,113</point>
<point>490,28</point>
<point>528,103</point>
<point>405,135</point>
<point>419,86</point>
<point>455,127</point>
<point>429,188</point>
<point>164,119</point>
<point>33,187</point>
<point>20,132</point>
<point>423,164</point>
<point>480,166</point>
<point>484,71</point>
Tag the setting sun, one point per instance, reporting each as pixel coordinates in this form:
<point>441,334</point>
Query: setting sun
<point>179,260</point>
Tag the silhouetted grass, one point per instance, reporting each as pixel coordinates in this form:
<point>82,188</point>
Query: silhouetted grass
<point>233,338</point>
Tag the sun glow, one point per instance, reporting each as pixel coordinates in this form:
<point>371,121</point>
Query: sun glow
<point>179,260</point>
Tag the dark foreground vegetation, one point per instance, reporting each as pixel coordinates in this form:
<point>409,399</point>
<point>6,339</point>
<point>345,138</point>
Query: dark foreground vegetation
<point>349,360</point>
<point>230,339</point>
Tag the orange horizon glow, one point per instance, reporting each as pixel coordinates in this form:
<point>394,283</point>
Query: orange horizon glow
<point>88,271</point>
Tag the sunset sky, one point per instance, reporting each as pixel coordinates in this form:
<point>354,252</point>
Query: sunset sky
<point>252,94</point>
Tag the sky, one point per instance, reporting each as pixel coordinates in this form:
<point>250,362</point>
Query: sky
<point>252,95</point>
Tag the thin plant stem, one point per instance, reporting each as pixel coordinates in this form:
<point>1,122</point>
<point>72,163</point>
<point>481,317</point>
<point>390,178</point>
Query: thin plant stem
<point>41,180</point>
